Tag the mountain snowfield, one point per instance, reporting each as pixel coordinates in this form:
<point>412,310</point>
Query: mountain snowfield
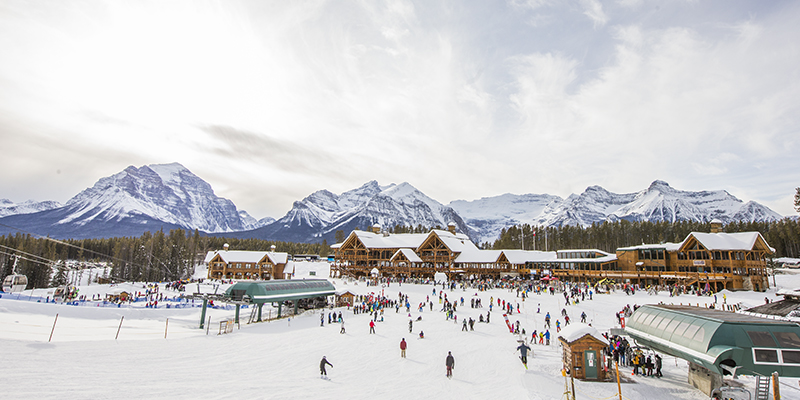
<point>169,196</point>
<point>659,202</point>
<point>8,207</point>
<point>280,359</point>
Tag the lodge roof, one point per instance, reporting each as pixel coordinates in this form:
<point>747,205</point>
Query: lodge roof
<point>728,241</point>
<point>242,256</point>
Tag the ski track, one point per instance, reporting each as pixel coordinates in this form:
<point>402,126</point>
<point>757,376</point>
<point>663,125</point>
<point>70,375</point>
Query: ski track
<point>280,359</point>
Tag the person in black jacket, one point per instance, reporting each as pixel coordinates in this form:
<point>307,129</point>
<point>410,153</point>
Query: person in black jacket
<point>322,366</point>
<point>450,363</point>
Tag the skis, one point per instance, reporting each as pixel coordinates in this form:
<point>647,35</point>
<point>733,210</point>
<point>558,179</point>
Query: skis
<point>523,363</point>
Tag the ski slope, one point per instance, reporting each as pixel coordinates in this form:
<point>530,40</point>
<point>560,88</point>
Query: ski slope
<point>280,359</point>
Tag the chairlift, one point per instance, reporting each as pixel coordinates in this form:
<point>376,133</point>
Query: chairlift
<point>64,293</point>
<point>15,283</point>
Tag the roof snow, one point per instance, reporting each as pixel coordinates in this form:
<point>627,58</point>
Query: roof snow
<point>571,333</point>
<point>728,241</point>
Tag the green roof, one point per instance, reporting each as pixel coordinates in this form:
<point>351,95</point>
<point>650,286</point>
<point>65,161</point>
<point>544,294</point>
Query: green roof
<point>260,292</point>
<point>711,337</point>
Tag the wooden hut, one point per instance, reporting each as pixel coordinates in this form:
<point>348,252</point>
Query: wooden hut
<point>584,351</point>
<point>345,298</point>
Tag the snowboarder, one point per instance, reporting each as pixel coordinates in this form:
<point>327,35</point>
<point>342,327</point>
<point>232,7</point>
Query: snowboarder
<point>450,363</point>
<point>403,346</point>
<point>523,350</point>
<point>322,364</point>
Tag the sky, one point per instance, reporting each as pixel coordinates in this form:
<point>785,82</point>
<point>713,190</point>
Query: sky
<point>269,101</point>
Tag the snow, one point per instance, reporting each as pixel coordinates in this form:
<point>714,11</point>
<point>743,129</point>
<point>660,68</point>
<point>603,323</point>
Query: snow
<point>573,332</point>
<point>279,359</point>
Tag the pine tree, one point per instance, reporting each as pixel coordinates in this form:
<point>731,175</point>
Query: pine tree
<point>797,200</point>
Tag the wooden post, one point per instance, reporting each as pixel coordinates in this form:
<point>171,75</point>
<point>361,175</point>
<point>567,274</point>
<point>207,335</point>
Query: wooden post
<point>53,330</point>
<point>120,327</point>
<point>776,387</point>
<point>166,326</point>
<point>208,325</point>
<point>619,387</point>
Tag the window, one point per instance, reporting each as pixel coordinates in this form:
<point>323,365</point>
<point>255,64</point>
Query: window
<point>788,339</point>
<point>791,356</point>
<point>765,355</point>
<point>762,339</point>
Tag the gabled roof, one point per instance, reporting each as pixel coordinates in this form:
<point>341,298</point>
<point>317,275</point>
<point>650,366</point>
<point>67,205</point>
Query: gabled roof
<point>409,254</point>
<point>390,241</point>
<point>457,243</point>
<point>242,256</point>
<point>571,333</point>
<point>728,241</point>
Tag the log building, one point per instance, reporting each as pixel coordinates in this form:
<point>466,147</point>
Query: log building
<point>716,260</point>
<point>238,264</point>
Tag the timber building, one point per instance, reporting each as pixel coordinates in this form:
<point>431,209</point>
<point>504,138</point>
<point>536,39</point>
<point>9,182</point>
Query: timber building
<point>716,260</point>
<point>238,264</point>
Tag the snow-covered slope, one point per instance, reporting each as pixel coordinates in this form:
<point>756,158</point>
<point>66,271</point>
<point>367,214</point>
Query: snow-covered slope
<point>8,207</point>
<point>161,196</point>
<point>322,213</point>
<point>487,216</point>
<point>659,202</point>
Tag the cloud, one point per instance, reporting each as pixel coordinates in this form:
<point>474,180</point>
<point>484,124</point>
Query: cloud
<point>594,10</point>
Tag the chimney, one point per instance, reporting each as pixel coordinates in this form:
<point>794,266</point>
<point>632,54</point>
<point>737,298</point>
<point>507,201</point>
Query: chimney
<point>376,228</point>
<point>716,226</point>
<point>452,227</point>
<point>272,248</point>
<point>226,246</point>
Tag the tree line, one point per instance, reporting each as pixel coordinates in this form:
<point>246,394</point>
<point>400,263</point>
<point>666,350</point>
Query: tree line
<point>151,257</point>
<point>783,235</point>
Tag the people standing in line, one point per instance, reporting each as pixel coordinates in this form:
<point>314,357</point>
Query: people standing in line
<point>322,364</point>
<point>450,363</point>
<point>403,346</point>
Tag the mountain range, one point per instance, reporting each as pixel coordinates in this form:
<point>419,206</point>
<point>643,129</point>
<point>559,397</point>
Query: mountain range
<point>169,196</point>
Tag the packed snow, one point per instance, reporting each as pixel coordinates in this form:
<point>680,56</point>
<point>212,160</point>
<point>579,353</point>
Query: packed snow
<point>161,352</point>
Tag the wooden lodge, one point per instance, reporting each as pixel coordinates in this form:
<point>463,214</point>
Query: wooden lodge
<point>716,260</point>
<point>254,265</point>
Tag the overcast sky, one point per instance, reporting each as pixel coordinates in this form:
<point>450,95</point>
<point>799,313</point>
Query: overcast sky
<point>270,101</point>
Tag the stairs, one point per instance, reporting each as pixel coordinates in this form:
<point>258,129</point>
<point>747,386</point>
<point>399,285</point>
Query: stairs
<point>762,387</point>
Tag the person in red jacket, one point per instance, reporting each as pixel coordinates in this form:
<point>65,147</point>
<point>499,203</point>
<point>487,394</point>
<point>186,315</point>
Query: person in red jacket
<point>371,326</point>
<point>403,346</point>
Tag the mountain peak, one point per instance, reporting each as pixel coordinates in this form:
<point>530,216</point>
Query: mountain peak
<point>659,184</point>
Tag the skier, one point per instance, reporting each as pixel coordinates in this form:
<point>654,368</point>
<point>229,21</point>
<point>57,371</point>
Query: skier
<point>322,363</point>
<point>342,330</point>
<point>403,346</point>
<point>322,319</point>
<point>523,350</point>
<point>450,363</point>
<point>371,326</point>
<point>410,325</point>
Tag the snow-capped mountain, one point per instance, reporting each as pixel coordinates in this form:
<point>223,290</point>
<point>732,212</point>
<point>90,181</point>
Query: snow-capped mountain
<point>163,196</point>
<point>322,213</point>
<point>8,207</point>
<point>659,202</point>
<point>250,223</point>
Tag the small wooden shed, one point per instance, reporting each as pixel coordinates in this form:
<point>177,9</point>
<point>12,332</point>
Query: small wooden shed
<point>345,298</point>
<point>584,351</point>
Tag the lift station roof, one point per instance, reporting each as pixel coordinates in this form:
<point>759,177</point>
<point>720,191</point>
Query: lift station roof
<point>275,291</point>
<point>712,338</point>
